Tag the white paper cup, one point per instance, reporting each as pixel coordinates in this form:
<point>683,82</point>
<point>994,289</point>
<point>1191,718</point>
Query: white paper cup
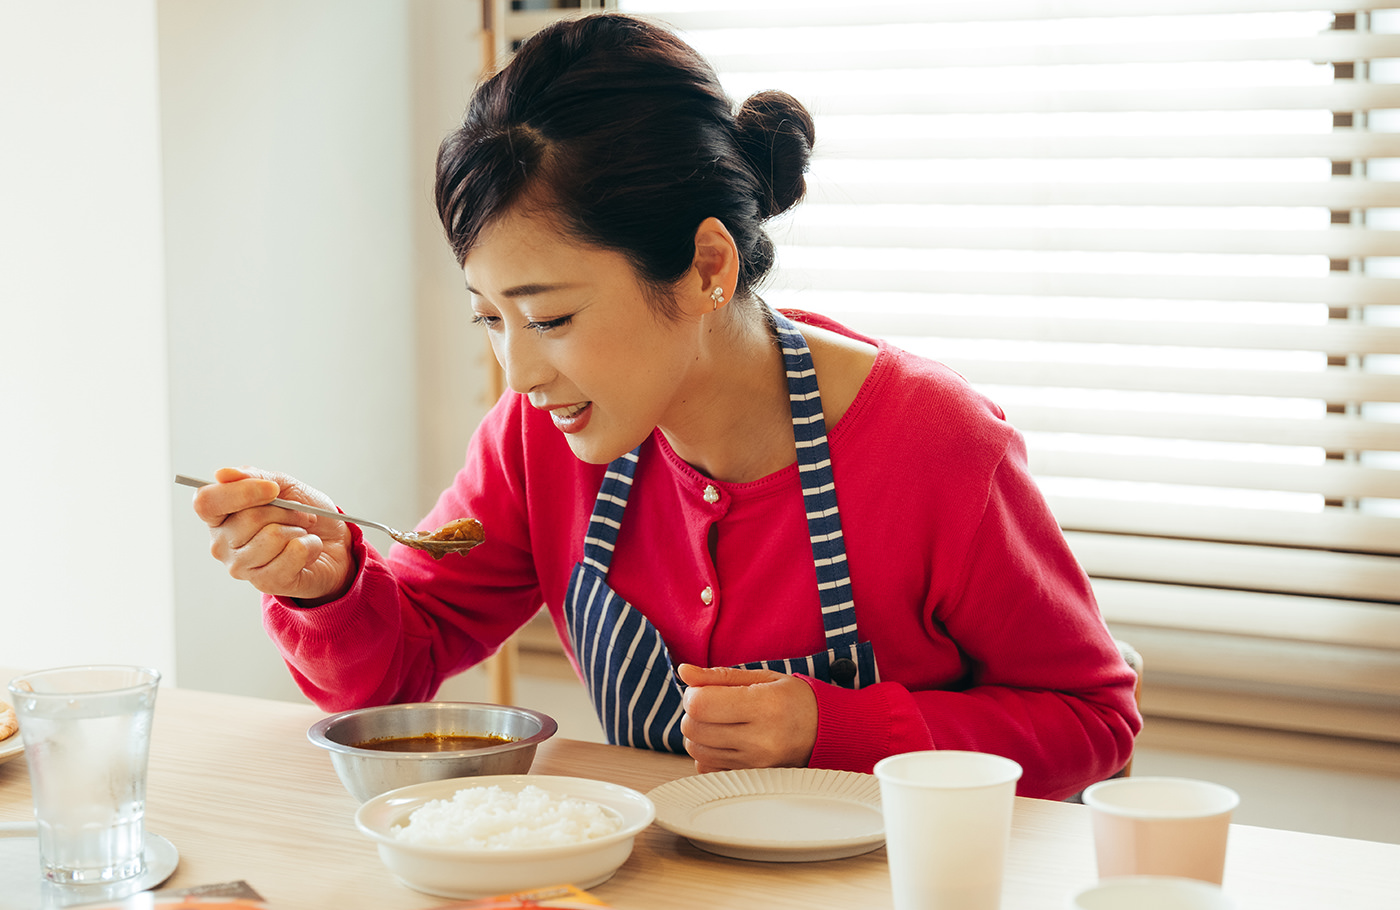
<point>1148,892</point>
<point>947,825</point>
<point>1171,826</point>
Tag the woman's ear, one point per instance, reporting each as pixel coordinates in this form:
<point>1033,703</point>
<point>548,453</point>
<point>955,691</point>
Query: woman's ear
<point>715,270</point>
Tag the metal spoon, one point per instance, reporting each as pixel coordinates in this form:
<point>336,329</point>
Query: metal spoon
<point>437,546</point>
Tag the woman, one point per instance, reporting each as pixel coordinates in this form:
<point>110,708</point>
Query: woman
<point>765,539</point>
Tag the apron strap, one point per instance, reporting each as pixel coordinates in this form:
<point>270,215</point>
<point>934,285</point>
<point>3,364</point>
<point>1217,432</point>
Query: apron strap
<point>599,542</point>
<point>818,488</point>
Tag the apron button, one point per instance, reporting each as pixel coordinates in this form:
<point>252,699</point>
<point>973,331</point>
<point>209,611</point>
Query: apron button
<point>712,497</point>
<point>707,596</point>
<point>843,672</point>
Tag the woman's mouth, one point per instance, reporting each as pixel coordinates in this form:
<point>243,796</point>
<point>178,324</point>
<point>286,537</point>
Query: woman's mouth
<point>573,418</point>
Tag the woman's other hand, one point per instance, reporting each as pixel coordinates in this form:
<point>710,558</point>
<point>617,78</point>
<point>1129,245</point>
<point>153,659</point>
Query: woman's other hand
<point>282,553</point>
<point>746,718</point>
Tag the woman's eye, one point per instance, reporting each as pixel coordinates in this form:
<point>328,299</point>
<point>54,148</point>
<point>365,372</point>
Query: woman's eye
<point>546,325</point>
<point>487,321</point>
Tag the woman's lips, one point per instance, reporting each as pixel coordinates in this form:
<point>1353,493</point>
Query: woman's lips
<point>573,418</point>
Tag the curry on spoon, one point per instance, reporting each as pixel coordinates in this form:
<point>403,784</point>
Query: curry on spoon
<point>454,537</point>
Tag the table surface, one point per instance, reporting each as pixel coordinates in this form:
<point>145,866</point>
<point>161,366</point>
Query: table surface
<point>240,791</point>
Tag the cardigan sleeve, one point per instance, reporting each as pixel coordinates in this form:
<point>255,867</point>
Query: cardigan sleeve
<point>1046,684</point>
<point>408,622</point>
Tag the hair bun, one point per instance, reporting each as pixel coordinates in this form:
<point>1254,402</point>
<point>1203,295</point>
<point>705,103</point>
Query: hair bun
<point>776,134</point>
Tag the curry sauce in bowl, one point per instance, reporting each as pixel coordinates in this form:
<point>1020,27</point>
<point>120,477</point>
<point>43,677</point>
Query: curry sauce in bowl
<point>374,750</point>
<point>432,742</point>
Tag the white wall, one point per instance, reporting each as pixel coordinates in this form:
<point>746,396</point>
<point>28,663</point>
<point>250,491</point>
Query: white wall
<point>287,155</point>
<point>454,358</point>
<point>84,437</point>
<point>301,237</point>
<point>288,147</point>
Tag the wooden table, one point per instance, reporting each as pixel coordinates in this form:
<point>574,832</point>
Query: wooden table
<point>242,794</point>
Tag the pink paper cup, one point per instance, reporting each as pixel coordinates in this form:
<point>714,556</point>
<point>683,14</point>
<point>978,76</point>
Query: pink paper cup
<point>1170,826</point>
<point>1147,892</point>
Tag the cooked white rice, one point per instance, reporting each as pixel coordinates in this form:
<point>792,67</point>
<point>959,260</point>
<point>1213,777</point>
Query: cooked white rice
<point>492,818</point>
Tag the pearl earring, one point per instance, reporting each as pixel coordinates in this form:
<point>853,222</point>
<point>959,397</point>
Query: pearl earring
<point>717,295</point>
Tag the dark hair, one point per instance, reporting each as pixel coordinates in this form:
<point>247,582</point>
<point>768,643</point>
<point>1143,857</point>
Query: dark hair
<point>623,130</point>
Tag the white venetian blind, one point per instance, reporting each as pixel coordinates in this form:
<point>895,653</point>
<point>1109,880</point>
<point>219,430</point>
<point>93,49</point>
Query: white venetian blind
<point>1163,236</point>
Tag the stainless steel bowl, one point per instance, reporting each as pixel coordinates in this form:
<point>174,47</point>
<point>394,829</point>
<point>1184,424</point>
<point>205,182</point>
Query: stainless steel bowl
<point>367,773</point>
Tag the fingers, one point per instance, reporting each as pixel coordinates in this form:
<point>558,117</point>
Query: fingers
<point>235,491</point>
<point>732,747</point>
<point>724,695</point>
<point>288,561</point>
<point>247,543</point>
<point>275,556</point>
<point>244,488</point>
<point>227,475</point>
<point>705,765</point>
<point>747,718</point>
<point>692,675</point>
<point>279,551</point>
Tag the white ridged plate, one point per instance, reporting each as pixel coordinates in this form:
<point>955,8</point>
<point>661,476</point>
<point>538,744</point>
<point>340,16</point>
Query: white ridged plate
<point>781,815</point>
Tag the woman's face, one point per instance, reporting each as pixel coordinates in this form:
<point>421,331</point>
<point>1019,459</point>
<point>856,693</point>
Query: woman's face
<point>572,329</point>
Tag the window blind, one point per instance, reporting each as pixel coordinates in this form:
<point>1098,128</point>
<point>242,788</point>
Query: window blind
<point>1163,236</point>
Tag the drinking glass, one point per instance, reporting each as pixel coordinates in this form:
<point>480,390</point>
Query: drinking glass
<point>87,736</point>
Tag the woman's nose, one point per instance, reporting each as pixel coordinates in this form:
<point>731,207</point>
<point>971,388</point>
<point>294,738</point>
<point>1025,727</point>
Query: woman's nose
<point>519,355</point>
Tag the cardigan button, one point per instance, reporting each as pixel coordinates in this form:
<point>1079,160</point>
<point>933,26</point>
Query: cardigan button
<point>843,672</point>
<point>711,494</point>
<point>707,596</point>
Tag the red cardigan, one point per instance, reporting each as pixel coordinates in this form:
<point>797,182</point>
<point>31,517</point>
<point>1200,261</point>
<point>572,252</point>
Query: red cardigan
<point>984,627</point>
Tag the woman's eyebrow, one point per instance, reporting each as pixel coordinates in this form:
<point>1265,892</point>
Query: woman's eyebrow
<point>532,289</point>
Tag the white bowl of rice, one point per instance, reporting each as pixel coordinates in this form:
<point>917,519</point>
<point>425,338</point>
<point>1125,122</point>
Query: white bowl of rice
<point>475,837</point>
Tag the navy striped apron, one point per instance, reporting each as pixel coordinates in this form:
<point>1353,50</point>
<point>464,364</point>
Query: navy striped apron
<point>629,672</point>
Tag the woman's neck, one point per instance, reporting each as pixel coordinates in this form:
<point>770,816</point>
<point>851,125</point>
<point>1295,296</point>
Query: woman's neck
<point>735,423</point>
